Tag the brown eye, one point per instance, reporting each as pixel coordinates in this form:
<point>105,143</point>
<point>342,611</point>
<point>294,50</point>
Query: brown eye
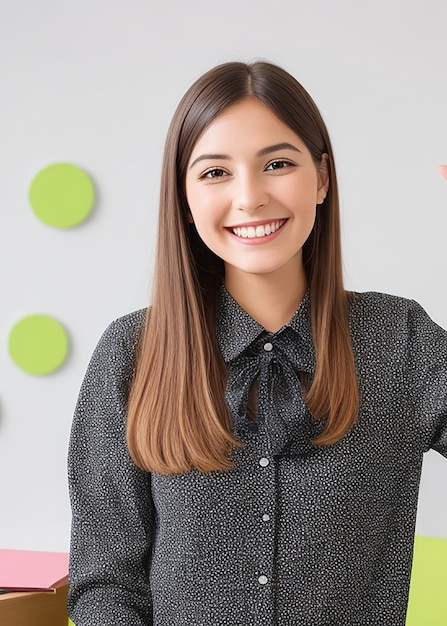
<point>216,172</point>
<point>278,165</point>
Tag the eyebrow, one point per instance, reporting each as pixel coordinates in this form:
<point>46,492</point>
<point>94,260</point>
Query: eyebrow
<point>263,152</point>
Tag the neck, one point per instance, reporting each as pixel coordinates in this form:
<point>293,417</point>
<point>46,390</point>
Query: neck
<point>270,299</point>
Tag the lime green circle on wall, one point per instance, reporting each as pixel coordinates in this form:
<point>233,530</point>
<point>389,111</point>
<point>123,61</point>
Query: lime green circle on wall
<point>62,195</point>
<point>38,344</point>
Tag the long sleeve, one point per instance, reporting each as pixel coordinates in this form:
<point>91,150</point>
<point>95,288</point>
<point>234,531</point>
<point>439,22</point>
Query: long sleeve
<point>427,349</point>
<point>111,499</point>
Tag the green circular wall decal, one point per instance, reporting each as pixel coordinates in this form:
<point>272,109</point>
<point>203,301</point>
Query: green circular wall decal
<point>38,344</point>
<point>62,195</point>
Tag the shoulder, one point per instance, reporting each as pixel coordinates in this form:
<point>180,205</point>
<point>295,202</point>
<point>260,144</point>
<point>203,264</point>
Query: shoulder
<point>114,355</point>
<point>379,310</point>
<point>125,330</point>
<point>374,302</point>
<point>380,319</point>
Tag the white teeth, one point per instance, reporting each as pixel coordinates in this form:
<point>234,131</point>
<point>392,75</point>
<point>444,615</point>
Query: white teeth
<point>250,232</point>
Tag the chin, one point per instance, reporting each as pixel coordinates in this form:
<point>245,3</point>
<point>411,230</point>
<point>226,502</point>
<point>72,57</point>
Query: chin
<point>261,270</point>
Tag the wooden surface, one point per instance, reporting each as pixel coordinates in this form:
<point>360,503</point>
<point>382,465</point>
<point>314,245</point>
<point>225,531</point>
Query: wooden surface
<point>34,608</point>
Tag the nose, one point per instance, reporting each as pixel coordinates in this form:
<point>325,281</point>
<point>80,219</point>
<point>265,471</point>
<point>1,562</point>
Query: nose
<point>250,193</point>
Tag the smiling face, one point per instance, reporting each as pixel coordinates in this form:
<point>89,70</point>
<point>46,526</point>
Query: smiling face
<point>252,188</point>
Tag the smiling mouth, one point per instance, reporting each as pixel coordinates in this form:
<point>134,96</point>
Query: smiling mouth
<point>256,232</point>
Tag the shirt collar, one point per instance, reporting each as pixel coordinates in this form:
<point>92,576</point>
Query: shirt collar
<point>237,330</point>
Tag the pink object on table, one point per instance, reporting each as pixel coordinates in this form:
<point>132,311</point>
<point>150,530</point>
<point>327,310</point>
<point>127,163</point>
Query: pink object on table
<point>26,570</point>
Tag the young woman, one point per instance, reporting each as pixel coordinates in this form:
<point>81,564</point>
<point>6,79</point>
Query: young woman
<point>248,451</point>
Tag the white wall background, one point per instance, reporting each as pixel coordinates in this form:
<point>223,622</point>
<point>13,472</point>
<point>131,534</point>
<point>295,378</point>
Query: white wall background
<point>94,82</point>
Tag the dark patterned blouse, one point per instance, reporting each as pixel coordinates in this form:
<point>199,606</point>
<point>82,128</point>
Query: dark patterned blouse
<point>294,535</point>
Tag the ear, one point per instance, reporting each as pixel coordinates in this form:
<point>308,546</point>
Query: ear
<point>189,217</point>
<point>323,178</point>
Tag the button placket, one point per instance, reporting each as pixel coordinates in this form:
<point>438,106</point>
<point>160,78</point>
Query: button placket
<point>265,539</point>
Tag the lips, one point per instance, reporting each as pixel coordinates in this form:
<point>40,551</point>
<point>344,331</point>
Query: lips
<point>259,231</point>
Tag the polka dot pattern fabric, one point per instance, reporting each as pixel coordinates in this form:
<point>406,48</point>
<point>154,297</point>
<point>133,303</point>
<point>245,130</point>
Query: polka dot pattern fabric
<point>303,537</point>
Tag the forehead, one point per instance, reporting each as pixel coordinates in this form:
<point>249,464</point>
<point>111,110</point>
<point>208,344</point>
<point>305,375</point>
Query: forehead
<point>248,122</point>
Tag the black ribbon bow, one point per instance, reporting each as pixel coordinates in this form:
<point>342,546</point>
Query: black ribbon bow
<point>274,361</point>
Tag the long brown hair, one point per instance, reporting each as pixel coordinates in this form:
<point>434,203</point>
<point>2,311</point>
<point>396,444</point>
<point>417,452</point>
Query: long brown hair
<point>177,415</point>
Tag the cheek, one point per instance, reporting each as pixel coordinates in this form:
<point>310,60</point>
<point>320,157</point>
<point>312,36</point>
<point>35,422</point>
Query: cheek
<point>299,191</point>
<point>190,197</point>
<point>306,213</point>
<point>205,215</point>
<point>206,208</point>
<point>312,216</point>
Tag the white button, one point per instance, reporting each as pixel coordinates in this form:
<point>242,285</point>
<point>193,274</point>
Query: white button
<point>266,517</point>
<point>268,347</point>
<point>263,462</point>
<point>262,580</point>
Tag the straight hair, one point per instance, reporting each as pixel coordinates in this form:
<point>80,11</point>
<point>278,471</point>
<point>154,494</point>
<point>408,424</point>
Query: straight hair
<point>178,418</point>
